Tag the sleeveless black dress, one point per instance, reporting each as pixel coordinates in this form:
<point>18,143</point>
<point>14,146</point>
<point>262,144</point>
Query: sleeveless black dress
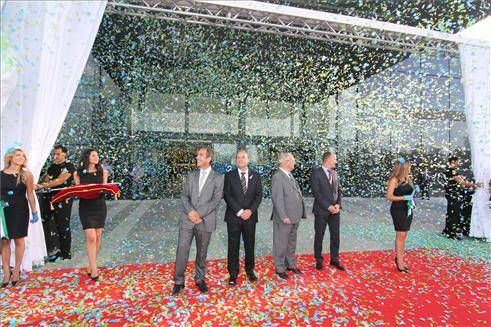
<point>92,212</point>
<point>399,209</point>
<point>17,212</point>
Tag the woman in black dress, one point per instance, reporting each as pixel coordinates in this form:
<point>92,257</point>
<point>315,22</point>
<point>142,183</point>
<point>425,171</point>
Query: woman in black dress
<point>400,192</point>
<point>17,190</point>
<point>92,212</point>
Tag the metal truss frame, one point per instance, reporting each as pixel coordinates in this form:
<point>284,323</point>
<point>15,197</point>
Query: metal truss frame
<point>264,17</point>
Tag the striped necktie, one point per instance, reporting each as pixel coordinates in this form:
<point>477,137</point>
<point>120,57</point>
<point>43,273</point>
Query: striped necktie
<point>243,182</point>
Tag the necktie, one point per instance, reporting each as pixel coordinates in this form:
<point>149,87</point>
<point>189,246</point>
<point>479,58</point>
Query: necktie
<point>243,182</point>
<point>202,179</point>
<point>294,182</point>
<point>330,175</point>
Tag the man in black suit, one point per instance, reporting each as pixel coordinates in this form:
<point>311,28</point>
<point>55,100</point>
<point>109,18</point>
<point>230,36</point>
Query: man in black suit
<point>327,207</point>
<point>243,193</point>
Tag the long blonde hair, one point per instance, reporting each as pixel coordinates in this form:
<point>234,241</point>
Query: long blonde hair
<point>402,173</point>
<point>21,176</point>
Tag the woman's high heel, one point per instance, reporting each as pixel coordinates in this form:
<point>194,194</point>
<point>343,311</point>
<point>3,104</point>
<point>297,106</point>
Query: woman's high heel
<point>403,270</point>
<point>14,282</point>
<point>8,281</point>
<point>405,267</point>
<point>94,278</point>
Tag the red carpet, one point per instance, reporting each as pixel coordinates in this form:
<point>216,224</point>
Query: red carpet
<point>439,290</point>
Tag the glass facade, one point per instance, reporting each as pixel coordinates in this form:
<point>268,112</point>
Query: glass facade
<point>411,106</point>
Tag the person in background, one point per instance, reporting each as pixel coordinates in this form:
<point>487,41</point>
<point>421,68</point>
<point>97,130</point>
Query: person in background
<point>137,174</point>
<point>425,182</point>
<point>17,195</point>
<point>453,189</point>
<point>56,223</point>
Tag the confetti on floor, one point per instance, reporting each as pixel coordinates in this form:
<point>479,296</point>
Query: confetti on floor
<point>439,290</point>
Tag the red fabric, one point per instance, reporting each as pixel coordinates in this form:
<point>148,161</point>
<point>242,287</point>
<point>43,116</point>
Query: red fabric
<point>86,191</point>
<point>440,290</point>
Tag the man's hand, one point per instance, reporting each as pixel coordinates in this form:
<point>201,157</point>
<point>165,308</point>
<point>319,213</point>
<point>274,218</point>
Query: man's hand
<point>337,207</point>
<point>287,221</point>
<point>331,209</point>
<point>246,214</point>
<point>194,216</point>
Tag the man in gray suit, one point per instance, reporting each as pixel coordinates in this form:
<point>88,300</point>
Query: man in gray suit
<point>288,209</point>
<point>201,194</point>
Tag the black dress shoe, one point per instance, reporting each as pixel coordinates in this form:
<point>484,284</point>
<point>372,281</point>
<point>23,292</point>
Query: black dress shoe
<point>296,271</point>
<point>177,289</point>
<point>251,276</point>
<point>232,281</point>
<point>337,265</point>
<point>203,288</point>
<point>318,266</point>
<point>282,275</point>
<point>66,256</point>
<point>53,258</point>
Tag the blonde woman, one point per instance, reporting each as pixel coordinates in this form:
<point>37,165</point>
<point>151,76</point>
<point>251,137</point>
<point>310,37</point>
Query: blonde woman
<point>15,183</point>
<point>400,191</point>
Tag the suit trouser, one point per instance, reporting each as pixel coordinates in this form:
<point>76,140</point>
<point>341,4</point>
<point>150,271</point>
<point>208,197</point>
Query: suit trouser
<point>320,224</point>
<point>182,256</point>
<point>452,221</point>
<point>248,232</point>
<point>56,226</point>
<point>284,245</point>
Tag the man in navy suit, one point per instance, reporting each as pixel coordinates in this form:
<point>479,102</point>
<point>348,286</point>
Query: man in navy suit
<point>326,209</point>
<point>243,193</point>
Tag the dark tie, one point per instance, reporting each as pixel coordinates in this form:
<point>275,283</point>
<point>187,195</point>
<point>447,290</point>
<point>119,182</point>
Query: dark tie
<point>330,175</point>
<point>243,182</point>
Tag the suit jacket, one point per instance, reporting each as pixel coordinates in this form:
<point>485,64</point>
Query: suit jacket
<point>324,192</point>
<point>287,200</point>
<point>205,203</point>
<point>237,200</point>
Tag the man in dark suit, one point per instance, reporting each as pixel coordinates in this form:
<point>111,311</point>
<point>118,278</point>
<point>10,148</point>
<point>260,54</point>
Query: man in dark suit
<point>243,193</point>
<point>327,208</point>
<point>201,195</point>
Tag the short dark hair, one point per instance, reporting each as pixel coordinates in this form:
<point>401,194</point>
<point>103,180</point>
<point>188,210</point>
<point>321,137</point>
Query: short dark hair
<point>452,159</point>
<point>209,151</point>
<point>61,147</point>
<point>326,155</point>
<point>241,150</point>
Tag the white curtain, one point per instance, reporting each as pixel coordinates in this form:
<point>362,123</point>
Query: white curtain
<point>47,43</point>
<point>476,75</point>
